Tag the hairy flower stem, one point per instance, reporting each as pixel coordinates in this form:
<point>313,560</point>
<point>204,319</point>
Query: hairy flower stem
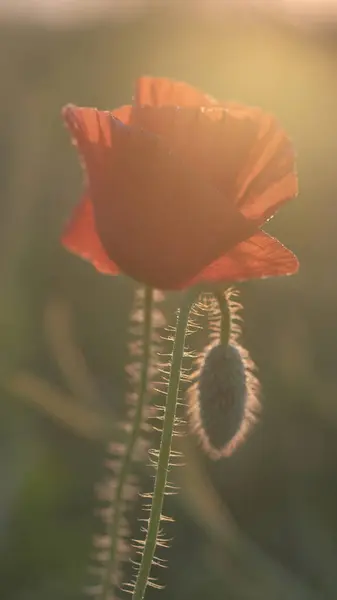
<point>225,324</point>
<point>164,453</point>
<point>113,531</point>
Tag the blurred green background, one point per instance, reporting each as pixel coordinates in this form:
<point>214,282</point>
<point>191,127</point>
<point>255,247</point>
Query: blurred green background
<point>261,525</point>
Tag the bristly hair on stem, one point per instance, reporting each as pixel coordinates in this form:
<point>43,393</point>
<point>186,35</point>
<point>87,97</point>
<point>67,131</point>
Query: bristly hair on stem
<point>223,401</point>
<point>172,374</point>
<point>119,490</point>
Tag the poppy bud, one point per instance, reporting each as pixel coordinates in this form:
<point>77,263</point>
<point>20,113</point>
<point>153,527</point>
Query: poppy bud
<point>223,402</point>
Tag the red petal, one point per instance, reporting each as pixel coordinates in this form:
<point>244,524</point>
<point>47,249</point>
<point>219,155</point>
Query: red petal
<point>262,181</point>
<point>87,129</point>
<point>159,91</point>
<point>159,221</point>
<point>243,152</point>
<point>268,177</point>
<point>209,140</point>
<point>123,113</point>
<point>143,197</point>
<point>259,256</point>
<point>80,237</point>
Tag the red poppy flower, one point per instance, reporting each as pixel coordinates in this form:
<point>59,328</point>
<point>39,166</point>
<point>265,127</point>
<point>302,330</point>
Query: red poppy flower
<point>178,187</point>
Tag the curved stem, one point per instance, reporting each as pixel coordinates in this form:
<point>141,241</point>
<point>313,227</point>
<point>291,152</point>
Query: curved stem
<point>164,453</point>
<point>225,318</point>
<point>113,531</point>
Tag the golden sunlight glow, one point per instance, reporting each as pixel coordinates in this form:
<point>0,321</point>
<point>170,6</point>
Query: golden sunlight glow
<point>63,10</point>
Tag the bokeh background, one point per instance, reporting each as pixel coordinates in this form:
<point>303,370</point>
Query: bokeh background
<point>261,525</point>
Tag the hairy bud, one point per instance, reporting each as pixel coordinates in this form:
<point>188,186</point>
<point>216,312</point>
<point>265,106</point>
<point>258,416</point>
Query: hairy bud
<point>223,402</point>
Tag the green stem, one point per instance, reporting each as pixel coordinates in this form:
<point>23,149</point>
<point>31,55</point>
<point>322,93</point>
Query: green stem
<point>225,318</point>
<point>113,531</point>
<point>164,453</point>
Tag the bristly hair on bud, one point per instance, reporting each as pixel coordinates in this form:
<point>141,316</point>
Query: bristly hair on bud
<point>223,401</point>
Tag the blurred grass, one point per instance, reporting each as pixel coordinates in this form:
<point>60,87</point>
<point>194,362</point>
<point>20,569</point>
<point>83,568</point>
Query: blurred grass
<point>263,524</point>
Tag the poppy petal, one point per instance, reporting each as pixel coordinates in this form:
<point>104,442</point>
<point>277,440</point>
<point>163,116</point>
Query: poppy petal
<point>156,218</point>
<point>267,178</point>
<point>160,91</point>
<point>210,140</point>
<point>84,128</point>
<point>251,155</point>
<point>80,237</point>
<point>123,113</point>
<point>259,256</point>
<point>245,154</point>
